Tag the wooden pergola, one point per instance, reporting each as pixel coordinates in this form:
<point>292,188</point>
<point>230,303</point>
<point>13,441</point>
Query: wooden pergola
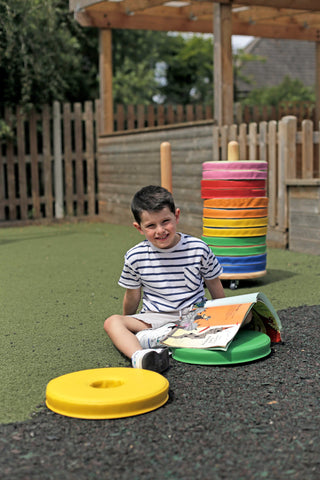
<point>286,19</point>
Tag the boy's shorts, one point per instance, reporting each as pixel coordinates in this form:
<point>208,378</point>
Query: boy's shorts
<point>158,319</point>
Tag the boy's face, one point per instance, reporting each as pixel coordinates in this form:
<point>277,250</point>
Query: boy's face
<point>160,228</point>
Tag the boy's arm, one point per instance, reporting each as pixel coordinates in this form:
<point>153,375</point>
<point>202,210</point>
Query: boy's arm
<point>131,301</point>
<point>215,288</point>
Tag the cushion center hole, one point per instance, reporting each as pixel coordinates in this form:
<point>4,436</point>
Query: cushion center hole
<point>107,383</point>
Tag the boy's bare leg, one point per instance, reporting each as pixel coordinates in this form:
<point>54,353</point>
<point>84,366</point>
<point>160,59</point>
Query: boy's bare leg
<point>121,330</point>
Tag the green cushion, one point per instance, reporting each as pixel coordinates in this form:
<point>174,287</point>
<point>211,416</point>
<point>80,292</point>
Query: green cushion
<point>247,346</point>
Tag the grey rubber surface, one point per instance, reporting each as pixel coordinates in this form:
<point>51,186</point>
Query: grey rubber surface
<point>255,421</point>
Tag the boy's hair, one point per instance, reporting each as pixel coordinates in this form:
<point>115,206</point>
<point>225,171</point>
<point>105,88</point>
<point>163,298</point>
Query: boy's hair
<point>152,199</point>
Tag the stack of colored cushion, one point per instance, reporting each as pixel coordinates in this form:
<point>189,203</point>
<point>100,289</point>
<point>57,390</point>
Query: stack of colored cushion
<point>235,215</point>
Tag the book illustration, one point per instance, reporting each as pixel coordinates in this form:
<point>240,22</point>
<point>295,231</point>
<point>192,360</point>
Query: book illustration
<point>263,322</point>
<point>214,325</point>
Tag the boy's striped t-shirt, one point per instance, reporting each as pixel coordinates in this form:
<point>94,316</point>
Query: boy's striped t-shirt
<point>171,279</point>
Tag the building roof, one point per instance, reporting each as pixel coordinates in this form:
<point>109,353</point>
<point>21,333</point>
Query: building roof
<point>293,58</point>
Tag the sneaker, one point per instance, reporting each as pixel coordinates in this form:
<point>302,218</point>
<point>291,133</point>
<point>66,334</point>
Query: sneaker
<point>151,338</point>
<point>155,360</point>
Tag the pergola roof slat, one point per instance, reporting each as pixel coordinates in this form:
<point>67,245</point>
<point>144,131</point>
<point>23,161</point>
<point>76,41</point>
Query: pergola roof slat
<point>292,19</point>
<point>286,19</point>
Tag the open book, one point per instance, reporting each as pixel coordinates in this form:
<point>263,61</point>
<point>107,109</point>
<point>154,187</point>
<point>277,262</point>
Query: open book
<point>214,325</point>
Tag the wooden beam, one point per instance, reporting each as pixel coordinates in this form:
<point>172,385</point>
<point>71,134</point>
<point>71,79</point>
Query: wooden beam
<point>223,71</point>
<point>317,86</point>
<point>138,5</point>
<point>76,5</point>
<point>105,70</point>
<point>144,22</point>
<point>181,24</point>
<point>84,19</point>
<point>293,32</point>
<point>311,5</point>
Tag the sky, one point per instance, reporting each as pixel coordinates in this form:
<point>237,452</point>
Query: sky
<point>240,41</point>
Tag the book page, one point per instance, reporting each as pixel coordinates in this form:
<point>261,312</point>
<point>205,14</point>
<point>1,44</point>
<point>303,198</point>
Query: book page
<point>210,337</point>
<point>222,315</point>
<point>212,327</point>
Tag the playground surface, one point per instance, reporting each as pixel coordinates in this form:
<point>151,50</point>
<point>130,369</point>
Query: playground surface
<point>253,421</point>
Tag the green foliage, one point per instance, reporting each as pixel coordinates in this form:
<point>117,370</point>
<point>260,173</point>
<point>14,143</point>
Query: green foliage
<point>289,90</point>
<point>45,55</point>
<point>134,85</point>
<point>189,70</point>
<point>170,68</point>
<point>240,59</point>
<point>40,53</point>
<point>6,132</point>
<point>135,57</point>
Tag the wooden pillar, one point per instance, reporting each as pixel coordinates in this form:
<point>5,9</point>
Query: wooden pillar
<point>105,70</point>
<point>166,166</point>
<point>317,112</point>
<point>223,71</point>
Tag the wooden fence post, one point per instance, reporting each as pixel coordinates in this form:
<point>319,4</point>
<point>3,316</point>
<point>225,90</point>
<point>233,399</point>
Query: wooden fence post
<point>57,152</point>
<point>253,141</point>
<point>46,150</point>
<point>90,158</point>
<point>34,164</point>
<point>10,169</point>
<point>286,165</point>
<point>263,140</point>
<point>22,164</point>
<point>290,165</point>
<point>307,149</point>
<point>272,172</point>
<point>216,143</point>
<point>243,141</point>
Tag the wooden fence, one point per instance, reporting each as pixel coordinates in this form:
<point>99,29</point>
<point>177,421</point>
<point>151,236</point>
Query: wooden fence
<point>300,156</point>
<point>129,161</point>
<point>49,169</point>
<point>132,117</point>
<point>259,113</point>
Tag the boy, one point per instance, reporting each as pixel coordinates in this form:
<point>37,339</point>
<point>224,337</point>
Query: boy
<point>169,268</point>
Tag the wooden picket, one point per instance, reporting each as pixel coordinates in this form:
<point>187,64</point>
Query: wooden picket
<point>304,110</point>
<point>49,169</point>
<point>137,117</point>
<point>292,156</point>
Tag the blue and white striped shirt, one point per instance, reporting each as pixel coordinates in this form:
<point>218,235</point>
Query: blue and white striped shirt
<point>171,279</point>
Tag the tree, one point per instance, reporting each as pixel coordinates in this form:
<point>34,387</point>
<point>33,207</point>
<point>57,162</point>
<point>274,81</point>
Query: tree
<point>188,70</point>
<point>289,90</point>
<point>136,54</point>
<point>240,59</point>
<point>40,53</point>
<point>45,55</point>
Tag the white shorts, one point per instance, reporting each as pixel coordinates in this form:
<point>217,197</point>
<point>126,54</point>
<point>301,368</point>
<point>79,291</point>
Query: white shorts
<point>158,319</point>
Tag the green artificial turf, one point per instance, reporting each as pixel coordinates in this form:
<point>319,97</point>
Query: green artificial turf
<point>57,285</point>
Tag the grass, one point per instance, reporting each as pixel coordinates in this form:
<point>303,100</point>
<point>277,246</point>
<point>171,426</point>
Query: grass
<point>59,283</point>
